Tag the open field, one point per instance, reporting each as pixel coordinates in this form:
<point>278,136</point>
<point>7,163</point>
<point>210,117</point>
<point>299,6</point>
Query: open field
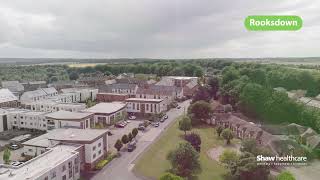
<point>81,65</point>
<point>153,163</point>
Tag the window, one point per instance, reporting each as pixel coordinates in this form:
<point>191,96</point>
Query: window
<point>53,174</point>
<point>30,150</point>
<point>99,152</point>
<point>63,168</point>
<point>21,122</point>
<point>93,148</point>
<point>46,178</point>
<point>94,155</point>
<point>99,144</point>
<point>133,105</point>
<point>70,169</point>
<point>147,107</point>
<point>31,124</point>
<point>138,106</point>
<point>64,177</point>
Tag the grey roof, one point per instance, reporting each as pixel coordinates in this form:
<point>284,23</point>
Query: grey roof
<point>50,90</point>
<point>159,90</point>
<point>192,83</point>
<point>106,108</point>
<point>166,81</point>
<point>13,86</point>
<point>144,100</point>
<point>6,96</point>
<point>67,115</point>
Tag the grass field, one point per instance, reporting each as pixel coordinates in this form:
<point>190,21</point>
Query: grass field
<point>153,163</point>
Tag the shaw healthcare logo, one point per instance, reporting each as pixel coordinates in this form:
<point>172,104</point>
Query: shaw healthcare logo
<point>281,160</point>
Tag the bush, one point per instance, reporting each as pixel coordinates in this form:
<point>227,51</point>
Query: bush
<point>195,140</point>
<point>101,164</point>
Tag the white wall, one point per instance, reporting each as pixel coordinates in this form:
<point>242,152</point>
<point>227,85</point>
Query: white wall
<point>90,151</point>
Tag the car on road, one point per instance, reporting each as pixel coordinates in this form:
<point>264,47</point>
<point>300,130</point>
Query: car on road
<point>127,121</point>
<point>165,117</point>
<point>131,146</point>
<point>132,117</point>
<point>14,146</point>
<point>120,125</point>
<point>162,120</point>
<point>178,107</point>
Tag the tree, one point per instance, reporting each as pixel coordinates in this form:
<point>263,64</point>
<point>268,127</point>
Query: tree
<point>249,145</point>
<point>195,140</point>
<point>185,124</point>
<point>6,155</point>
<point>199,111</point>
<point>213,83</point>
<point>184,160</point>
<point>203,94</point>
<point>169,176</point>
<point>130,137</point>
<point>227,134</point>
<point>229,157</point>
<point>285,175</point>
<point>73,75</point>
<point>219,130</point>
<point>125,139</point>
<point>135,132</point>
<point>118,145</point>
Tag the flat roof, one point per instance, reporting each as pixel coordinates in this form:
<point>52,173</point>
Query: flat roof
<point>67,115</point>
<point>144,100</point>
<point>118,94</point>
<point>69,134</point>
<point>41,164</point>
<point>106,108</point>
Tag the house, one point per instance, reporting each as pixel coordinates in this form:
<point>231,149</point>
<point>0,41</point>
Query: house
<point>38,95</point>
<point>190,88</point>
<point>67,119</point>
<point>107,113</point>
<point>313,141</point>
<point>143,106</point>
<point>130,80</point>
<point>93,80</point>
<point>189,84</point>
<point>61,162</point>
<point>93,144</point>
<point>167,93</point>
<point>110,97</point>
<point>84,93</point>
<point>14,86</point>
<point>8,99</point>
<point>34,85</point>
<point>120,88</point>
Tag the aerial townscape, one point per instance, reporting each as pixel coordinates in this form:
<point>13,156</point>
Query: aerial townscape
<point>157,119</point>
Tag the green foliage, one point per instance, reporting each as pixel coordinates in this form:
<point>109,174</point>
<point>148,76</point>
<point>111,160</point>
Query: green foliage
<point>285,175</point>
<point>118,145</point>
<point>6,156</point>
<point>249,145</point>
<point>101,164</point>
<point>169,176</point>
<point>184,160</point>
<point>135,132</point>
<point>227,134</point>
<point>185,124</point>
<point>130,136</point>
<point>219,130</point>
<point>195,140</point>
<point>199,111</point>
<point>125,139</point>
<point>229,157</point>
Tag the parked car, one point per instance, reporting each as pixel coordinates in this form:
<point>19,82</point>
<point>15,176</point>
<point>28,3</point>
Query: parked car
<point>155,124</point>
<point>16,163</point>
<point>14,146</point>
<point>141,128</point>
<point>131,146</point>
<point>132,117</point>
<point>127,121</point>
<point>162,120</point>
<point>165,117</point>
<point>120,125</point>
<point>178,107</point>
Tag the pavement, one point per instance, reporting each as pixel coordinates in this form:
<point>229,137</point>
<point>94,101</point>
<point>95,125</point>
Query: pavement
<point>120,168</point>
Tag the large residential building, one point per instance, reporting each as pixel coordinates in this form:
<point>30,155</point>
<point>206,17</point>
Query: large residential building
<point>53,106</point>
<point>110,97</point>
<point>61,162</point>
<point>84,93</point>
<point>34,85</point>
<point>67,119</point>
<point>14,86</point>
<point>38,95</point>
<point>142,106</point>
<point>94,144</point>
<point>120,88</point>
<point>8,99</point>
<point>189,84</point>
<point>167,93</point>
<point>107,113</point>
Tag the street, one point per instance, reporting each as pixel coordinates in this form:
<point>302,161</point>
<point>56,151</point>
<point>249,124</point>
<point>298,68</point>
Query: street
<point>120,168</point>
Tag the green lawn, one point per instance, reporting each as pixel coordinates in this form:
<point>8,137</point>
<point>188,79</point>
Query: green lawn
<point>153,163</point>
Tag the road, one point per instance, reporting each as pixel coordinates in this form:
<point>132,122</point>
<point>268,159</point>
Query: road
<point>120,168</point>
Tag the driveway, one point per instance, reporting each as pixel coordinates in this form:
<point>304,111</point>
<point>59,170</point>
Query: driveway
<point>120,168</point>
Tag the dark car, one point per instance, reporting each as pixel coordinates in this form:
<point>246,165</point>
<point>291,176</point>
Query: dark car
<point>14,146</point>
<point>109,133</point>
<point>165,117</point>
<point>179,107</point>
<point>141,128</point>
<point>131,146</point>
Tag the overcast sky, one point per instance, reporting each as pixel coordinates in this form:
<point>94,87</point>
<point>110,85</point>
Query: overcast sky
<point>153,29</point>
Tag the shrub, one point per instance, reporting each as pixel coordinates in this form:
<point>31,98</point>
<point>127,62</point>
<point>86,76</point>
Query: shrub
<point>101,164</point>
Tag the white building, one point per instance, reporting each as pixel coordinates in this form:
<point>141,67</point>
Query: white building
<point>53,106</point>
<point>142,106</point>
<point>7,98</point>
<point>61,162</point>
<point>94,144</point>
<point>85,93</point>
<point>107,113</point>
<point>67,119</point>
<point>38,95</point>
